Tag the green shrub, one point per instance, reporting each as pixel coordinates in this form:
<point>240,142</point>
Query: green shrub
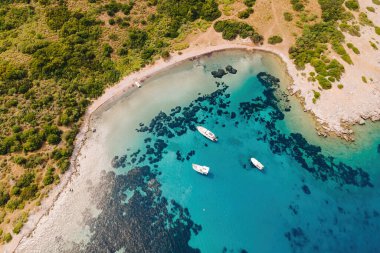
<point>373,45</point>
<point>7,237</point>
<point>107,50</point>
<point>53,139</point>
<point>13,203</point>
<point>230,29</point>
<point>364,79</point>
<point>249,3</point>
<point>323,82</point>
<point>25,180</point>
<point>371,9</point>
<point>63,165</point>
<point>4,197</point>
<point>49,176</point>
<point>57,16</point>
<point>340,86</point>
<point>275,39</point>
<point>353,48</point>
<point>364,20</point>
<point>297,5</point>
<point>377,30</point>
<point>317,95</point>
<point>246,13</point>
<point>352,5</point>
<point>288,16</point>
<point>347,59</point>
<point>29,192</point>
<point>377,2</point>
<point>18,226</point>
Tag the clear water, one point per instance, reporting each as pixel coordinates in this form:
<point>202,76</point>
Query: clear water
<point>285,208</point>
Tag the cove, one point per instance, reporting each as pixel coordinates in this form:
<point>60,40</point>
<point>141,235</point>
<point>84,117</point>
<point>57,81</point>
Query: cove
<point>313,195</point>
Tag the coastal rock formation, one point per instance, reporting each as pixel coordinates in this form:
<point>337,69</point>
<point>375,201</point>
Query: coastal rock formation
<point>231,70</point>
<point>219,73</point>
<point>118,161</point>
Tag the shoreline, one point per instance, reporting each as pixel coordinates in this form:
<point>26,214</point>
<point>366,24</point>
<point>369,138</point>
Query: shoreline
<point>115,92</point>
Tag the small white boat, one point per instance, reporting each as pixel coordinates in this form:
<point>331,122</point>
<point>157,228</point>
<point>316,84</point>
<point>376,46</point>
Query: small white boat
<point>257,164</point>
<point>201,169</point>
<point>207,133</point>
<point>138,85</point>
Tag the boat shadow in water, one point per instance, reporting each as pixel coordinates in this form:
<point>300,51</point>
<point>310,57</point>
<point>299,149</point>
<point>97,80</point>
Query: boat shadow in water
<point>210,175</point>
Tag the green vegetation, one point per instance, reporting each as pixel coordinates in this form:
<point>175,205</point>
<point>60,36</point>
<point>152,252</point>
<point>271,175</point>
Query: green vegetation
<point>377,2</point>
<point>297,5</point>
<point>275,39</point>
<point>317,95</point>
<point>312,46</point>
<point>56,58</point>
<point>364,20</point>
<point>19,222</point>
<point>364,79</point>
<point>249,3</point>
<point>7,237</point>
<point>246,13</point>
<point>371,9</point>
<point>288,16</point>
<point>49,176</point>
<point>352,5</point>
<point>377,30</point>
<point>230,29</point>
<point>373,45</point>
<point>340,86</point>
<point>353,30</point>
<point>353,48</point>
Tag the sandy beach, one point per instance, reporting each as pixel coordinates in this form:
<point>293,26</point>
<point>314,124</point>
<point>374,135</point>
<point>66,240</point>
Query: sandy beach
<point>355,105</point>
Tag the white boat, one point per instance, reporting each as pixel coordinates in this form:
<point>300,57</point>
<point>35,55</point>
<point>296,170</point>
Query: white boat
<point>201,169</point>
<point>207,133</point>
<point>138,85</point>
<point>257,164</point>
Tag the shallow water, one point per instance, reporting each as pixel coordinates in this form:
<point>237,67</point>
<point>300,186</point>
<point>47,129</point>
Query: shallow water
<point>314,195</point>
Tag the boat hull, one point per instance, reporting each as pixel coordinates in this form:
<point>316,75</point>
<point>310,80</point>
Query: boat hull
<point>257,164</point>
<point>207,133</point>
<point>201,169</point>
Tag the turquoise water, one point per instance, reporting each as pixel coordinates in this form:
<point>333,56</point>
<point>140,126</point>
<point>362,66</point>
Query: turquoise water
<point>314,195</point>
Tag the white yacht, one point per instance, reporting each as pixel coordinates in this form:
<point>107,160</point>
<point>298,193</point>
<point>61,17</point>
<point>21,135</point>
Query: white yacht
<point>207,133</point>
<point>201,169</point>
<point>257,164</point>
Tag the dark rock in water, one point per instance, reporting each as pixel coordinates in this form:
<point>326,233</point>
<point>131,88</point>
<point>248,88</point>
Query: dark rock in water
<point>231,70</point>
<point>378,148</point>
<point>306,189</point>
<point>294,209</point>
<point>297,239</point>
<point>118,161</point>
<point>114,162</point>
<point>163,224</point>
<point>219,73</point>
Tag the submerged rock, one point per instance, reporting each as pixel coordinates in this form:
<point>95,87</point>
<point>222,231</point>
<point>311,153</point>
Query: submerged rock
<point>219,73</point>
<point>306,189</point>
<point>118,161</point>
<point>231,70</point>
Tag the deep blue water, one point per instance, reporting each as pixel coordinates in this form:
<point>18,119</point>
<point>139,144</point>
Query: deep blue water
<point>309,198</point>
